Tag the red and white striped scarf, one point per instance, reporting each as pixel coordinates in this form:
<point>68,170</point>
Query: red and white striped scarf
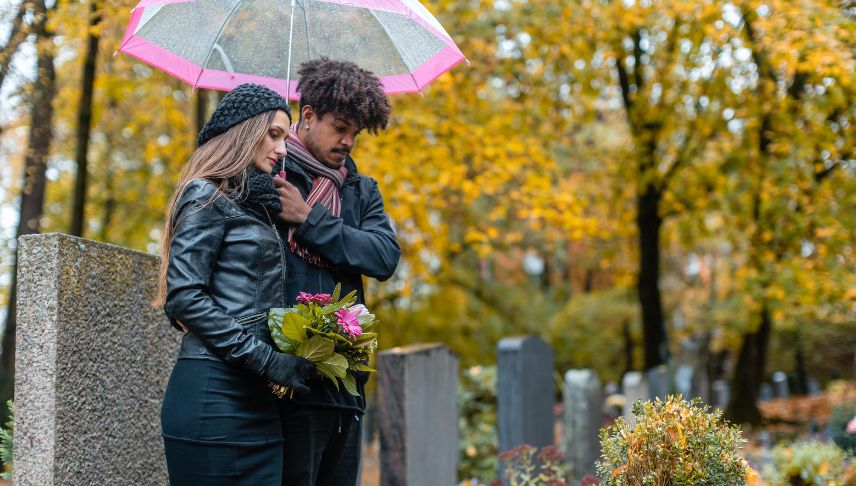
<point>325,190</point>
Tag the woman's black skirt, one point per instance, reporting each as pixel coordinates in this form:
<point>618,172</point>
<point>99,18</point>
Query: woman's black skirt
<point>221,426</point>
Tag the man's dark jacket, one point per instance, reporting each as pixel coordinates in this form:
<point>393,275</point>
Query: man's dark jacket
<point>359,242</point>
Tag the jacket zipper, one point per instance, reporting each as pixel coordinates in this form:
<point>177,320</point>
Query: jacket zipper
<point>281,259</point>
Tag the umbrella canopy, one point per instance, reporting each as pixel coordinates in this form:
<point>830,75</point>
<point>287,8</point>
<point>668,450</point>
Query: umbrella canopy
<point>219,44</point>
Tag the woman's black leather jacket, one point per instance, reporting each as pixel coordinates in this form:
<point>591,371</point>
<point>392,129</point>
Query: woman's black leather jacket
<point>226,270</point>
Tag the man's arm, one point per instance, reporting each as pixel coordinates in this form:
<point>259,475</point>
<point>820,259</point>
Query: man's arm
<point>371,249</point>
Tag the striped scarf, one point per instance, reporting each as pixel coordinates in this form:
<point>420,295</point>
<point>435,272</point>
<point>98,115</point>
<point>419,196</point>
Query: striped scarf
<point>325,190</point>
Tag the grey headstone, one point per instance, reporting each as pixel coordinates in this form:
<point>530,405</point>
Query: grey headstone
<point>635,388</point>
<point>780,384</point>
<point>525,393</point>
<point>813,386</point>
<point>583,418</point>
<point>684,381</point>
<point>765,392</point>
<point>721,393</point>
<point>611,388</point>
<point>92,362</point>
<point>659,382</point>
<point>417,411</point>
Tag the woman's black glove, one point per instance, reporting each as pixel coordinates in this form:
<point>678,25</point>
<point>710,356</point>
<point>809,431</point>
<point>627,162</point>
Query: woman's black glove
<point>289,371</point>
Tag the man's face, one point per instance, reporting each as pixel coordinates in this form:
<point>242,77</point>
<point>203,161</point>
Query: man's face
<point>330,138</point>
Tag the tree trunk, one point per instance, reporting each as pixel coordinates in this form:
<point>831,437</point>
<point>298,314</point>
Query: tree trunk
<point>109,201</point>
<point>628,347</point>
<point>84,121</point>
<point>201,110</point>
<point>17,35</point>
<point>750,372</point>
<point>33,192</point>
<point>801,376</point>
<point>649,222</point>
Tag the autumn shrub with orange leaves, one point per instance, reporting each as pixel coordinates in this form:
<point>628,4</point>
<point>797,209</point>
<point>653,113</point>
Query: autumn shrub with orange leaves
<point>674,442</point>
<point>810,463</point>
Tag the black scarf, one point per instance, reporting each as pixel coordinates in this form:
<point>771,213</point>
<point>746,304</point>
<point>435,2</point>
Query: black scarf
<point>261,195</point>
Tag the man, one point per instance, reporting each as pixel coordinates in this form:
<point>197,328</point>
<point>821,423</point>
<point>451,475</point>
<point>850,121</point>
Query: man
<point>336,231</point>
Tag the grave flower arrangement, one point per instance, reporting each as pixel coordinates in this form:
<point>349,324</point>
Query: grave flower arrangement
<point>334,333</point>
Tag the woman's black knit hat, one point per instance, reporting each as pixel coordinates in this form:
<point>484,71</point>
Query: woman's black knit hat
<point>243,102</point>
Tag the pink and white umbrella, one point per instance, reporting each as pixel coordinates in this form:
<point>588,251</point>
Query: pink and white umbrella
<point>220,44</point>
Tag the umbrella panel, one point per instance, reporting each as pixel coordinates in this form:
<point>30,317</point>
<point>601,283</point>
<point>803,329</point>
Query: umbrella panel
<point>251,36</point>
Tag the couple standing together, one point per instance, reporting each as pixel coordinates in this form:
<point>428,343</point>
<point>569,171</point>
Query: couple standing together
<point>250,226</point>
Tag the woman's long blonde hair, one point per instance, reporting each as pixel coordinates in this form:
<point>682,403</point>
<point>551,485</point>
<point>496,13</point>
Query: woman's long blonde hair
<point>225,161</point>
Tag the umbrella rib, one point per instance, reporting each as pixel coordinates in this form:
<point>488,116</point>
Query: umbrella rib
<point>211,49</point>
<point>401,53</point>
<point>304,7</point>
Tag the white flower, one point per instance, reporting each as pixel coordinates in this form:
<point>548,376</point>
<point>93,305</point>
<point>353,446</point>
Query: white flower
<point>359,310</point>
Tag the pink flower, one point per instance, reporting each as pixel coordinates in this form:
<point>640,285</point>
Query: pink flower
<point>320,299</point>
<point>348,321</point>
<point>323,299</point>
<point>359,310</point>
<point>851,426</point>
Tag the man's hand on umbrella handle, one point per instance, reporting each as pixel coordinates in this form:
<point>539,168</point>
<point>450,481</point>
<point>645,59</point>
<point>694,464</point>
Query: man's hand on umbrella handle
<point>294,208</point>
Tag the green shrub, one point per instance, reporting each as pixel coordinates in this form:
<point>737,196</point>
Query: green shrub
<point>809,463</point>
<point>674,443</point>
<point>521,466</point>
<point>6,434</point>
<point>838,420</point>
<point>477,423</point>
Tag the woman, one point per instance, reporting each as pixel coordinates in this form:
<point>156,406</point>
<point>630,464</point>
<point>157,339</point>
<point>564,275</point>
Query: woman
<point>223,267</point>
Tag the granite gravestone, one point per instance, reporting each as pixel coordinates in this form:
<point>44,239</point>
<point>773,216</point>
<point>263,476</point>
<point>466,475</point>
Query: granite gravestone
<point>583,417</point>
<point>780,384</point>
<point>635,388</point>
<point>417,411</point>
<point>721,394</point>
<point>659,382</point>
<point>93,358</point>
<point>525,393</point>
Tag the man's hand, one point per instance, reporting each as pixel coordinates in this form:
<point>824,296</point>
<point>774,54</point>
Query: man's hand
<point>294,208</point>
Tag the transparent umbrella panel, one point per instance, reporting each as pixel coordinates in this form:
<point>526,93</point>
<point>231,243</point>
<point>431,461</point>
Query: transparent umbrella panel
<point>233,41</point>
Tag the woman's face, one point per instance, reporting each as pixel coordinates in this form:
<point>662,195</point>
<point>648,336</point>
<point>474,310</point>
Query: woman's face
<point>273,143</point>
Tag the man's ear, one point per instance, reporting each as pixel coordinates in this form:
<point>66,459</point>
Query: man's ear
<point>307,114</point>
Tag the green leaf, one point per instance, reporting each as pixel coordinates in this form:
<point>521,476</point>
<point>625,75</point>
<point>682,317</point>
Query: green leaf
<point>369,325</point>
<point>365,339</point>
<point>316,349</point>
<point>334,366</point>
<point>279,339</point>
<point>275,316</point>
<point>351,297</point>
<point>363,367</point>
<point>366,319</point>
<point>332,335</point>
<point>292,327</point>
<point>336,292</point>
<point>331,308</point>
<point>350,384</point>
<point>282,342</point>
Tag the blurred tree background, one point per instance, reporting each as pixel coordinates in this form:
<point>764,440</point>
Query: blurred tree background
<point>629,179</point>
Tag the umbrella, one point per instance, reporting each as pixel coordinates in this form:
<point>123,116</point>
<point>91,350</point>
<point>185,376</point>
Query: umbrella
<point>219,44</point>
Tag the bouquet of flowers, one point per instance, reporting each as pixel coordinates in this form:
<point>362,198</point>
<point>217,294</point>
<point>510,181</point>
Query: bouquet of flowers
<point>333,333</point>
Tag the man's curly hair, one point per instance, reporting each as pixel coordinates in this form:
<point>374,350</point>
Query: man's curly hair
<point>343,88</point>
